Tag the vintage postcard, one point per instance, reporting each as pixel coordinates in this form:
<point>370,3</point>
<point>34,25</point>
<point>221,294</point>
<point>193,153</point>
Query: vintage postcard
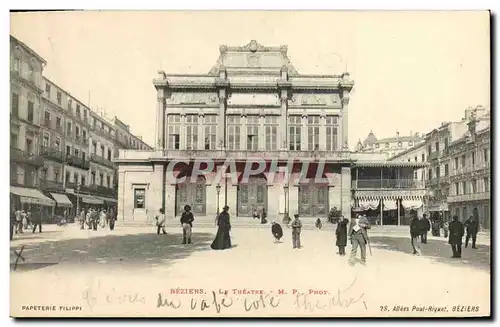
<point>250,164</point>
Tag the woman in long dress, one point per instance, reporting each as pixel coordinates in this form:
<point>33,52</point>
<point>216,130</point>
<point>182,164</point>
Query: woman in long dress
<point>222,240</point>
<point>341,233</point>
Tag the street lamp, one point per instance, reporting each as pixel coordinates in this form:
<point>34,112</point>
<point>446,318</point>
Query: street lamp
<point>218,193</point>
<point>285,188</point>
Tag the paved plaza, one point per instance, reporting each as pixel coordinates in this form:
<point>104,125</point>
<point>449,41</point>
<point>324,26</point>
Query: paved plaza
<point>103,271</point>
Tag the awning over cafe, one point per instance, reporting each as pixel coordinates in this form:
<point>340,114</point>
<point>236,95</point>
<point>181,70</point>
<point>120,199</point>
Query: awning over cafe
<point>62,200</point>
<point>412,204</point>
<point>106,199</point>
<point>89,199</point>
<point>369,204</point>
<point>439,207</point>
<point>32,196</point>
<point>390,205</point>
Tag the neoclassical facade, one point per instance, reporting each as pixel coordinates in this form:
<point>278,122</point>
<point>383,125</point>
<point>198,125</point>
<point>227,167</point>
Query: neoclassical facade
<point>252,105</point>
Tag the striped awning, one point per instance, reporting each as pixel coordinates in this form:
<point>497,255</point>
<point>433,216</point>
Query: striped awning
<point>62,200</point>
<point>89,199</point>
<point>32,196</point>
<point>369,204</point>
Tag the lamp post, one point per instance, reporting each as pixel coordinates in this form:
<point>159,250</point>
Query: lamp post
<point>218,193</point>
<point>285,188</point>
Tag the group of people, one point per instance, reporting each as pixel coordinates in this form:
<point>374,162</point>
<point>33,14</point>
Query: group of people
<point>186,220</point>
<point>455,230</point>
<point>93,218</point>
<point>21,220</point>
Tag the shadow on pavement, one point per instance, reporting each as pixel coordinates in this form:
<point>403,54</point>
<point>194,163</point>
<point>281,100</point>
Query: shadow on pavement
<point>137,250</point>
<point>437,250</point>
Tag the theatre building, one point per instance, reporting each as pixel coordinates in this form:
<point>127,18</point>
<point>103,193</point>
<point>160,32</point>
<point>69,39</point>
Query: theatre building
<point>252,105</point>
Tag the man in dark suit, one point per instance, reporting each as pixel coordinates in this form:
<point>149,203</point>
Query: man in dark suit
<point>425,227</point>
<point>37,219</point>
<point>472,227</point>
<point>455,239</point>
<point>359,237</point>
<point>415,232</point>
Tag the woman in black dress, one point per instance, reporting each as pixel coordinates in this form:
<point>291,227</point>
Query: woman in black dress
<point>222,239</point>
<point>341,233</point>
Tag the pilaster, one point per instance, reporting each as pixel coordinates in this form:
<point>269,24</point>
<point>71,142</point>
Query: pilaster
<point>262,132</point>
<point>345,119</point>
<point>243,132</point>
<point>160,129</point>
<point>283,120</point>
<point>322,131</point>
<point>182,136</point>
<point>345,177</point>
<point>201,132</point>
<point>304,144</point>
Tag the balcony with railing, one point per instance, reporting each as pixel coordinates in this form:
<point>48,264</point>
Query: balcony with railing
<point>52,154</point>
<point>477,196</point>
<point>434,155</point>
<point>387,184</point>
<point>127,154</point>
<point>77,162</point>
<point>101,161</point>
<point>470,168</point>
<point>99,189</point>
<point>26,157</point>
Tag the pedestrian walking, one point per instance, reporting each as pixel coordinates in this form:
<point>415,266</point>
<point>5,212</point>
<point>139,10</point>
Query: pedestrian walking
<point>19,222</point>
<point>424,228</point>
<point>37,220</point>
<point>81,219</point>
<point>359,238</point>
<point>88,218</point>
<point>161,220</point>
<point>102,218</point>
<point>296,229</point>
<point>341,234</point>
<point>94,218</point>
<point>112,219</point>
<point>415,232</point>
<point>222,240</point>
<point>187,219</point>
<point>472,228</point>
<point>455,239</point>
<point>13,222</point>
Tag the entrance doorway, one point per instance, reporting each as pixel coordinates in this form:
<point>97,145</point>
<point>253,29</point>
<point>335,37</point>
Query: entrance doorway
<point>252,196</point>
<point>313,200</point>
<point>193,194</point>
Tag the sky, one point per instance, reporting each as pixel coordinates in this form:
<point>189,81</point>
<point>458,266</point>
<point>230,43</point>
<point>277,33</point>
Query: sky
<point>412,70</point>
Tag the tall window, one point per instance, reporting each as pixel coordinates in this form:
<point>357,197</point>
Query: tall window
<point>271,127</point>
<point>47,90</point>
<point>77,131</point>
<point>15,105</point>
<point>233,132</point>
<point>75,178</point>
<point>17,64</point>
<point>31,111</point>
<point>101,179</point>
<point>430,173</point>
<point>457,189</point>
<point>139,198</point>
<point>174,128</point>
<point>252,133</point>
<point>473,184</point>
<point>210,132</point>
<point>83,180</point>
<point>446,143</point>
<point>485,155</point>
<point>429,149</point>
<point>94,147</point>
<point>423,157</point>
<point>463,161</point>
<point>78,110</point>
<point>59,98</point>
<point>437,146</point>
<point>31,72</point>
<point>313,133</point>
<point>464,187</point>
<point>486,182</point>
<point>109,155</point>
<point>14,140</point>
<point>47,119</point>
<point>294,128</point>
<point>46,141</point>
<point>191,132</point>
<point>438,171</point>
<point>446,170</point>
<point>102,151</point>
<point>77,153</point>
<point>108,181</point>
<point>68,129</point>
<point>68,150</point>
<point>473,158</point>
<point>85,115</point>
<point>331,133</point>
<point>456,163</point>
<point>70,102</point>
<point>92,178</point>
<point>57,144</point>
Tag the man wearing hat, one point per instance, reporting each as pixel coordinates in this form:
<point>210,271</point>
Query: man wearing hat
<point>359,237</point>
<point>187,219</point>
<point>296,228</point>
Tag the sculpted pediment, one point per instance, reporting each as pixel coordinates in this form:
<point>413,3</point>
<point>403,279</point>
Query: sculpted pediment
<point>253,56</point>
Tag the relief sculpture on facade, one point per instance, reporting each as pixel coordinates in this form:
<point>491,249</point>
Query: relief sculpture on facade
<point>193,98</point>
<point>315,99</point>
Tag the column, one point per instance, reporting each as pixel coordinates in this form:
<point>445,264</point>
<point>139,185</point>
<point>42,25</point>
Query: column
<point>121,198</point>
<point>262,132</point>
<point>345,176</point>
<point>282,123</point>
<point>182,137</point>
<point>221,122</point>
<point>201,132</point>
<point>243,132</point>
<point>304,143</point>
<point>345,119</point>
<point>160,114</point>
<point>322,131</point>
